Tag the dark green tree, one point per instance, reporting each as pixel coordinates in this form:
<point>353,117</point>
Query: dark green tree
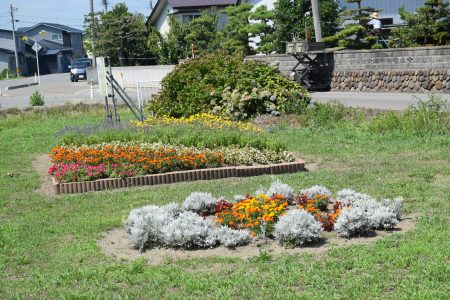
<point>289,18</point>
<point>121,36</point>
<point>261,28</point>
<point>355,33</point>
<point>236,31</point>
<point>169,49</point>
<point>203,32</point>
<point>429,25</point>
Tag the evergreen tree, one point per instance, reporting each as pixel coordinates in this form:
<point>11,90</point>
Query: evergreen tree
<point>262,29</point>
<point>120,35</point>
<point>203,32</point>
<point>355,31</point>
<point>289,18</point>
<point>236,31</point>
<point>429,25</point>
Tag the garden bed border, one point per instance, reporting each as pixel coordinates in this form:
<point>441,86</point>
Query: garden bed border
<point>178,176</point>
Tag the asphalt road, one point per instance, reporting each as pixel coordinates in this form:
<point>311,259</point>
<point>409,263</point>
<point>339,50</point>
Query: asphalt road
<point>57,90</point>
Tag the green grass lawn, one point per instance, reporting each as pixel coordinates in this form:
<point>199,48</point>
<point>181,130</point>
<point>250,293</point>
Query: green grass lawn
<point>48,244</point>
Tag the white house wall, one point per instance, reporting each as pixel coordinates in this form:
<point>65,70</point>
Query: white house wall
<point>162,24</point>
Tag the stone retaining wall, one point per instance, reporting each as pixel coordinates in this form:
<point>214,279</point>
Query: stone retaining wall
<point>421,69</point>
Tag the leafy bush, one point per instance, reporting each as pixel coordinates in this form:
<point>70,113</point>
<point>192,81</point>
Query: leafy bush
<point>36,99</point>
<point>296,228</point>
<point>328,114</point>
<point>227,85</point>
<point>199,202</point>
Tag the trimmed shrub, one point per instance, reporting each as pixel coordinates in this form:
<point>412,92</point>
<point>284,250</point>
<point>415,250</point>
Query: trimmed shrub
<point>227,85</point>
<point>189,231</point>
<point>200,202</point>
<point>280,188</point>
<point>353,221</point>
<point>231,238</point>
<point>296,228</point>
<point>315,190</point>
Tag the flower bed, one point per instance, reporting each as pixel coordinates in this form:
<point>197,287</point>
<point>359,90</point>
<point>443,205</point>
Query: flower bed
<point>280,214</point>
<point>203,120</point>
<point>121,160</point>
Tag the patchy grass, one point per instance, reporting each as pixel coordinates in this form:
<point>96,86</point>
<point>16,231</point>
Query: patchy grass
<point>48,245</point>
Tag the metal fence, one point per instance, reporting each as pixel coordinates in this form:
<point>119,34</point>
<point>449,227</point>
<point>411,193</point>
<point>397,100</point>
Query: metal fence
<point>146,90</point>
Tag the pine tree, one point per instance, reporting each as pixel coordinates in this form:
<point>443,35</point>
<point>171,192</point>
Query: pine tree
<point>236,31</point>
<point>261,28</point>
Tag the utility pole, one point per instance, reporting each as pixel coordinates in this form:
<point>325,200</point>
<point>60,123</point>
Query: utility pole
<point>316,17</point>
<point>91,2</point>
<point>13,9</point>
<point>105,5</point>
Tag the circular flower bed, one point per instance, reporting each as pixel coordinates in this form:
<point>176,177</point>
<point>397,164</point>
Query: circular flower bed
<point>278,213</point>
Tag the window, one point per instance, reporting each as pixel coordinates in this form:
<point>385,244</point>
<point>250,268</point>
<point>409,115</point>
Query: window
<point>190,17</point>
<point>57,37</point>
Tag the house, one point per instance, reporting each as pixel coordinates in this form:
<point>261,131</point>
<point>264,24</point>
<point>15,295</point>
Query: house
<point>60,45</point>
<point>7,57</point>
<point>189,9</point>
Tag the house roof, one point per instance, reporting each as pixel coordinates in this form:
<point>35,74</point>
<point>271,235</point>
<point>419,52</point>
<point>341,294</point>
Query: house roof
<point>54,25</point>
<point>200,3</point>
<point>186,4</point>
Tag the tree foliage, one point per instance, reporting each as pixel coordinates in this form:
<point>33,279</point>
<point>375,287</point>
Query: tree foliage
<point>355,32</point>
<point>290,17</point>
<point>429,25</point>
<point>262,29</point>
<point>119,35</point>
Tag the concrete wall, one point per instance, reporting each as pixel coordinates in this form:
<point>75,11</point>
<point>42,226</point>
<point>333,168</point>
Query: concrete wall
<point>129,76</point>
<point>421,69</point>
<point>4,61</point>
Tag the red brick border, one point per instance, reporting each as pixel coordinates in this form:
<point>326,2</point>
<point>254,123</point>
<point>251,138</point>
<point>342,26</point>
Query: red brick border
<point>179,176</point>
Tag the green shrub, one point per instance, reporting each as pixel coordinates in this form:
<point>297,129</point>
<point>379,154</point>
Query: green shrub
<point>227,85</point>
<point>328,114</point>
<point>428,118</point>
<point>36,99</point>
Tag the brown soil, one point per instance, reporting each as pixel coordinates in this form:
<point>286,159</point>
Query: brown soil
<point>115,243</point>
<point>41,165</point>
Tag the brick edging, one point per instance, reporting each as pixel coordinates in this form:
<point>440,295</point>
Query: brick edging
<point>178,176</point>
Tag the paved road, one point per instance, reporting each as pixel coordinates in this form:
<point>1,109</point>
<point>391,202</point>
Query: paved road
<point>391,101</point>
<point>57,89</point>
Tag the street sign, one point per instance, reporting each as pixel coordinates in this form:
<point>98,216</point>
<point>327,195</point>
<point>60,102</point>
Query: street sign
<point>36,47</point>
<point>101,72</point>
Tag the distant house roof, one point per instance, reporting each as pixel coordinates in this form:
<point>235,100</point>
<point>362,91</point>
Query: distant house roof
<point>54,25</point>
<point>186,4</point>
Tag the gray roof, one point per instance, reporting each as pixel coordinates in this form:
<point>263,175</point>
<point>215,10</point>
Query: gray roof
<point>200,3</point>
<point>54,25</point>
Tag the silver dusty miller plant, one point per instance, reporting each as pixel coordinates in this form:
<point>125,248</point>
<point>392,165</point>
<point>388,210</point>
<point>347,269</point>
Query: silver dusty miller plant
<point>297,227</point>
<point>280,188</point>
<point>200,202</point>
<point>314,190</point>
<point>353,221</point>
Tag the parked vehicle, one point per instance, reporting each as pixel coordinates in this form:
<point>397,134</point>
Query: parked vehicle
<point>78,70</point>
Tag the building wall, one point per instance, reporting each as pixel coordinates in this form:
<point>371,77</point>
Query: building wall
<point>389,7</point>
<point>162,25</point>
<point>34,33</point>
<point>76,40</point>
<point>4,61</point>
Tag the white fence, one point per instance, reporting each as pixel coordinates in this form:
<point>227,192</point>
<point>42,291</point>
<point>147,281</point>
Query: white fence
<point>146,90</point>
<point>129,76</point>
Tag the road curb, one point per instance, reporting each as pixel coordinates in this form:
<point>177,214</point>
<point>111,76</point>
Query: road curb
<point>13,87</point>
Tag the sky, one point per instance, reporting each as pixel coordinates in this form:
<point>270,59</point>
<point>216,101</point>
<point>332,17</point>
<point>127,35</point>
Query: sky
<point>65,12</point>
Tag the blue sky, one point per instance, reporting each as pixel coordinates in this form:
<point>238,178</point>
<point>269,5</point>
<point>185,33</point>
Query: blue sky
<point>66,12</point>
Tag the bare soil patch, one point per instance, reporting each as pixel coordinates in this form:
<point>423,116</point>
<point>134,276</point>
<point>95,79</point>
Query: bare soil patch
<point>40,166</point>
<point>115,243</point>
